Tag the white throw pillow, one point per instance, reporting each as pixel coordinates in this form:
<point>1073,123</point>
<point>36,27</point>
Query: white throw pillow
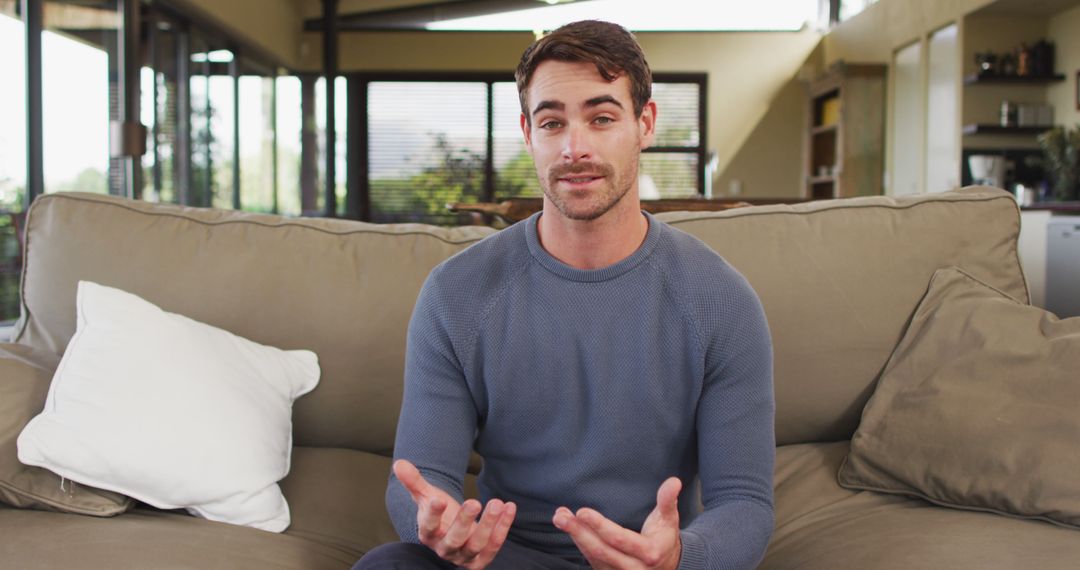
<point>171,411</point>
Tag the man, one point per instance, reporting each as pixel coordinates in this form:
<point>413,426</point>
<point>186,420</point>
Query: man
<point>598,360</point>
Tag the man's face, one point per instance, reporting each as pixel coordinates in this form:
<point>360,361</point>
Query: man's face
<point>584,138</point>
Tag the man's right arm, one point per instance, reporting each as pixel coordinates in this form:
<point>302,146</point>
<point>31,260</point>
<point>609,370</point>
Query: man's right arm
<point>434,439</point>
<point>438,418</point>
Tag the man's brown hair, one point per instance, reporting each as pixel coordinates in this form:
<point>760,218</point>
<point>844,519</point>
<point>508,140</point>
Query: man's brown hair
<point>609,46</point>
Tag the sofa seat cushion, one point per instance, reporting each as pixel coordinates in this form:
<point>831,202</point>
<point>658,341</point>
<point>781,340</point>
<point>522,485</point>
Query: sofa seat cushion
<point>822,525</point>
<point>337,497</point>
<point>338,514</point>
<point>147,538</point>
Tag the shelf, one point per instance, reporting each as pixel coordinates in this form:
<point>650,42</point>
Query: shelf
<point>828,179</point>
<point>1062,207</point>
<point>1000,130</point>
<point>976,79</point>
<point>823,129</point>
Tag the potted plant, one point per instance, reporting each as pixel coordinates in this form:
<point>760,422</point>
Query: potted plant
<point>1061,148</point>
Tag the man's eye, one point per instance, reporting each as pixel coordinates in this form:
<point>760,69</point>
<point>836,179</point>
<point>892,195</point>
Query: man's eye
<point>604,120</point>
<point>550,125</point>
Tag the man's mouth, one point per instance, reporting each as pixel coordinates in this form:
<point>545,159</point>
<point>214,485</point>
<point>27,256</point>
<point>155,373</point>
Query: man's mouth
<point>579,179</point>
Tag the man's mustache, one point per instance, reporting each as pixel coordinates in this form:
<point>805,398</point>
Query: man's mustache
<point>568,170</point>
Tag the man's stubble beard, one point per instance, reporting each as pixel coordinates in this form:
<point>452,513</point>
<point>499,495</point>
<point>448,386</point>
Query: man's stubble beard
<point>614,188</point>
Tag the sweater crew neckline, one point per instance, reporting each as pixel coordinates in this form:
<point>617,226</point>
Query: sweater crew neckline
<point>532,238</point>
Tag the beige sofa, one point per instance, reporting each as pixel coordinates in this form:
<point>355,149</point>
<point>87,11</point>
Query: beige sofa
<point>839,281</point>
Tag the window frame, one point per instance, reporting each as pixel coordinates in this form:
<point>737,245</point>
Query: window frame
<point>358,180</point>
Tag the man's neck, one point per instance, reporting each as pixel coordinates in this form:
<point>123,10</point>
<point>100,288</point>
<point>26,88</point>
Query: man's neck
<point>593,244</point>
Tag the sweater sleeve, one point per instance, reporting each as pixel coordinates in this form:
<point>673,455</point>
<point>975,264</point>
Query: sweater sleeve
<point>438,418</point>
<point>736,440</point>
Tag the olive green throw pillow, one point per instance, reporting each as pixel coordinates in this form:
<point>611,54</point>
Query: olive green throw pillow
<point>977,408</point>
<point>25,376</point>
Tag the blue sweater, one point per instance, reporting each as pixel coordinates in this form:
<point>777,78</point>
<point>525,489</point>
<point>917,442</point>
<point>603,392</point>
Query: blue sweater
<point>591,387</point>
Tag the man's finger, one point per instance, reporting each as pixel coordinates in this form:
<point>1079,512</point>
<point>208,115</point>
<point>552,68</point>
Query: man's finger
<point>667,498</point>
<point>615,536</point>
<point>481,535</point>
<point>411,479</point>
<point>461,529</point>
<point>594,548</point>
<point>429,519</point>
<point>496,538</point>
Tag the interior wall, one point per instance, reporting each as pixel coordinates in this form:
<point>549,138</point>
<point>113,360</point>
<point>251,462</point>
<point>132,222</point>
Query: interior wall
<point>1062,31</point>
<point>876,32</point>
<point>756,113</point>
<point>744,95</point>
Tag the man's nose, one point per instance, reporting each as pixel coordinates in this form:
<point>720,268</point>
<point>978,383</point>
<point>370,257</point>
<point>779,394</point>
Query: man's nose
<point>578,144</point>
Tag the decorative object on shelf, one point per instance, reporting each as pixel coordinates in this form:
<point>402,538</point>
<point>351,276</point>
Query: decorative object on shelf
<point>1008,114</point>
<point>1034,115</point>
<point>987,169</point>
<point>1042,59</point>
<point>1023,61</point>
<point>1028,61</point>
<point>1015,114</point>
<point>986,63</point>
<point>1061,148</point>
<point>1025,195</point>
<point>1008,65</point>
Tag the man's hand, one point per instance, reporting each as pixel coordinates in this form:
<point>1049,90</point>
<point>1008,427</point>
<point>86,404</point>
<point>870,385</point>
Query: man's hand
<point>451,530</point>
<point>607,545</point>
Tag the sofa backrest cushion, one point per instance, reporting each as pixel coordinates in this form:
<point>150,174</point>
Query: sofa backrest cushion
<point>343,289</point>
<point>839,280</point>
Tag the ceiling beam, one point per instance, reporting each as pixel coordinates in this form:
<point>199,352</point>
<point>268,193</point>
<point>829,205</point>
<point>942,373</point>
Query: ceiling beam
<point>413,18</point>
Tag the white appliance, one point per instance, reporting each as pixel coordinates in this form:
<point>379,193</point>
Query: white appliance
<point>1063,266</point>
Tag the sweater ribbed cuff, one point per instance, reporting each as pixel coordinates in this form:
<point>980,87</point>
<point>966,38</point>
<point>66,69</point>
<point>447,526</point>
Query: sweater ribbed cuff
<point>693,551</point>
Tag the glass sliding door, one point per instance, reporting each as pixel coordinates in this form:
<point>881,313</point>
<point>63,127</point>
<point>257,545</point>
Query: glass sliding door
<point>203,145</point>
<point>220,113</point>
<point>12,155</point>
<point>12,108</point>
<point>81,95</point>
<point>341,108</point>
<point>257,143</point>
<point>289,121</point>
<point>161,110</point>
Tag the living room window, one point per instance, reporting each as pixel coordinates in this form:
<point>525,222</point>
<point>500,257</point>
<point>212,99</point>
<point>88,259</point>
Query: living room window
<point>433,139</point>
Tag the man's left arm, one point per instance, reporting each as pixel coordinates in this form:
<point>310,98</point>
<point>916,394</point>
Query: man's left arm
<point>736,448</point>
<point>736,444</point>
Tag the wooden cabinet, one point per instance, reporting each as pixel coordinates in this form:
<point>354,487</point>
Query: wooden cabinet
<point>843,152</point>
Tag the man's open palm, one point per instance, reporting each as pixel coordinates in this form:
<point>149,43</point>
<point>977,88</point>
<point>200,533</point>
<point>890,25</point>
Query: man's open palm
<point>607,545</point>
<point>452,530</point>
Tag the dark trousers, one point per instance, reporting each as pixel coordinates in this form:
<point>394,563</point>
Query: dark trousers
<point>407,556</point>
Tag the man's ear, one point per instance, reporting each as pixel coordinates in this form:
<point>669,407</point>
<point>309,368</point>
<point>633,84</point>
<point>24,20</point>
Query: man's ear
<point>647,124</point>
<point>525,130</point>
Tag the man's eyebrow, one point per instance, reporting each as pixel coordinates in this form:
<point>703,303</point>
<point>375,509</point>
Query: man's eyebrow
<point>595,101</point>
<point>549,104</point>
